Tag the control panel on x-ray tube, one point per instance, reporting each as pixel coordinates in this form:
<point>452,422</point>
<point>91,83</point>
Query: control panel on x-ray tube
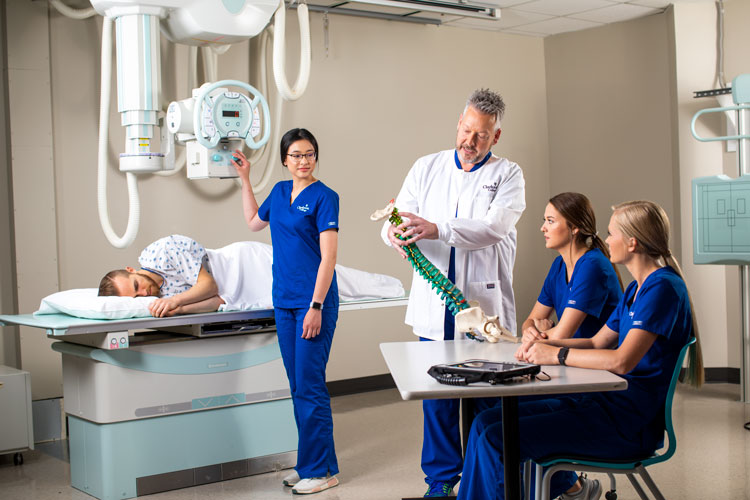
<point>215,122</point>
<point>230,115</point>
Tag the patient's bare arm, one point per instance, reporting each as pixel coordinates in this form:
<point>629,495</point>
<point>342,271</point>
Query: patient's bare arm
<point>207,305</point>
<point>204,288</point>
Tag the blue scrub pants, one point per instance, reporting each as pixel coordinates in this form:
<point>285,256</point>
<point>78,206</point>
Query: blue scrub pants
<point>305,363</point>
<point>442,456</point>
<point>555,426</point>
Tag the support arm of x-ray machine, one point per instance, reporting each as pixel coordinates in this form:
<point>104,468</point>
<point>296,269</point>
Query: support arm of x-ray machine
<point>137,24</point>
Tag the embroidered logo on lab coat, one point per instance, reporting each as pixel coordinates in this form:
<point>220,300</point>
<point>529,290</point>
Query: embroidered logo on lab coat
<point>303,208</point>
<point>492,188</point>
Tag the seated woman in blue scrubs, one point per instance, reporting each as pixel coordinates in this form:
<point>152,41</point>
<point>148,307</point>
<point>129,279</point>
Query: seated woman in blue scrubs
<point>304,217</point>
<point>582,286</point>
<point>641,342</point>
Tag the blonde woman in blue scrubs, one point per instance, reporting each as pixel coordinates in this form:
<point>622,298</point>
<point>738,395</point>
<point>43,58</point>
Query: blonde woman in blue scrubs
<point>303,214</point>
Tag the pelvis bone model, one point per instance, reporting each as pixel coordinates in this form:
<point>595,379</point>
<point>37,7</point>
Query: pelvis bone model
<point>469,316</point>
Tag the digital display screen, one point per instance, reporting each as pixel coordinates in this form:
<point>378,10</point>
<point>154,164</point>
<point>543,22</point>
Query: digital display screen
<point>230,114</point>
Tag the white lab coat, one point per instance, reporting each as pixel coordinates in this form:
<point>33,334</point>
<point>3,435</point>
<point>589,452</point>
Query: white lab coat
<point>476,212</point>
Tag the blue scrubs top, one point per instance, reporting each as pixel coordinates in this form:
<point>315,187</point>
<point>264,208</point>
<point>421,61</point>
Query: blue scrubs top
<point>661,307</point>
<point>593,289</point>
<point>295,234</point>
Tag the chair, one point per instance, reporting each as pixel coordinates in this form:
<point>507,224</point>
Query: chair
<point>627,467</point>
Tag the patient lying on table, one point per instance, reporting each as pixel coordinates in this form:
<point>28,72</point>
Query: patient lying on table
<point>174,268</point>
<point>188,278</point>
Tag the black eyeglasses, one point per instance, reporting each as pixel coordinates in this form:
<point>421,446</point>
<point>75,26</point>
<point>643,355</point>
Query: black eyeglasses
<point>298,157</point>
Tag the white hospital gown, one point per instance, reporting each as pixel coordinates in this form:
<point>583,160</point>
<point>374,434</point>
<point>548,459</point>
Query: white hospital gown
<point>177,259</point>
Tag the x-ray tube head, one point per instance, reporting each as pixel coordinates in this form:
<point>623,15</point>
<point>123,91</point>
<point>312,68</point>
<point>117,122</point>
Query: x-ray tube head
<point>217,23</point>
<point>139,24</point>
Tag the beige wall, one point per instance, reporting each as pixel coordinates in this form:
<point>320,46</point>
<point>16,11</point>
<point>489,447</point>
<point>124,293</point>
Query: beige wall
<point>9,337</point>
<point>715,289</point>
<point>601,111</point>
<point>33,191</point>
<point>620,104</point>
<point>608,93</point>
<point>386,94</point>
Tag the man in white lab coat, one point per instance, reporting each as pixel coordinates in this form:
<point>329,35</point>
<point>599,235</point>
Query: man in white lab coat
<point>461,206</point>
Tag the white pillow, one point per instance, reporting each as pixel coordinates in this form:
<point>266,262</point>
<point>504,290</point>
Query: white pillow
<point>85,303</point>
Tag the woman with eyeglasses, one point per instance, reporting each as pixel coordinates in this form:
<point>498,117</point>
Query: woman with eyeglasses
<point>304,217</point>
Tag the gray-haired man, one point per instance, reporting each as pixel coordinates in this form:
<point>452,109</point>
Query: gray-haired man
<point>462,206</point>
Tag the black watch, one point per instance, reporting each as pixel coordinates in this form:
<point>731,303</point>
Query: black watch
<point>562,355</point>
<point>316,305</point>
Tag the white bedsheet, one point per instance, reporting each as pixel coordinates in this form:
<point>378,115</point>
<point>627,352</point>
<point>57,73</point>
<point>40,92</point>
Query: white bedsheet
<point>242,272</point>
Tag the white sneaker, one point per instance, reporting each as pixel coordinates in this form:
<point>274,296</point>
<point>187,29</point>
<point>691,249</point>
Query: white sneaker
<point>590,490</point>
<point>291,479</point>
<point>314,485</point>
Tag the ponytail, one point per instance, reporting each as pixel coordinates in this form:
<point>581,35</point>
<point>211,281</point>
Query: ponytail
<point>694,374</point>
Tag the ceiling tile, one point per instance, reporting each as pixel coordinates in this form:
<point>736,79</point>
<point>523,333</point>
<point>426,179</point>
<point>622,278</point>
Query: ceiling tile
<point>562,8</point>
<point>557,25</point>
<point>534,17</point>
<point>615,13</point>
<point>657,4</point>
<point>524,33</point>
<point>512,17</point>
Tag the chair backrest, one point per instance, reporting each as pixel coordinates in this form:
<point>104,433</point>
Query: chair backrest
<point>672,446</point>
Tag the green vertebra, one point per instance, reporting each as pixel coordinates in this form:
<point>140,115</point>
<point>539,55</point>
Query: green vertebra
<point>445,288</point>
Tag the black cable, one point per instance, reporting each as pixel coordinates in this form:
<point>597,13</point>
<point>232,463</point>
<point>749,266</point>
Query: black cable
<point>450,379</point>
<point>747,426</point>
<point>548,378</point>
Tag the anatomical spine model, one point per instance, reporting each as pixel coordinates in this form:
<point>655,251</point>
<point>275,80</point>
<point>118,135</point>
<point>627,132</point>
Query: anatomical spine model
<point>469,316</point>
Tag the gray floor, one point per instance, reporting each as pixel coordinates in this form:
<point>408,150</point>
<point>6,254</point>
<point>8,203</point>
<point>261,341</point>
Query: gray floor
<point>378,444</point>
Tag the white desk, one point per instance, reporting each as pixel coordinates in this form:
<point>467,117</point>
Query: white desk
<point>409,362</point>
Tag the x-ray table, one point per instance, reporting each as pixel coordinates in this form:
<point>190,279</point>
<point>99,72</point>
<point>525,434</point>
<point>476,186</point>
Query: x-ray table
<point>156,404</point>
<point>409,362</point>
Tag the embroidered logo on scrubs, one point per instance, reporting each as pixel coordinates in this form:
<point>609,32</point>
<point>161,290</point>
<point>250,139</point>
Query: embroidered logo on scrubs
<point>303,208</point>
<point>492,188</point>
<point>630,313</point>
<point>637,323</point>
<point>332,223</point>
<point>571,302</point>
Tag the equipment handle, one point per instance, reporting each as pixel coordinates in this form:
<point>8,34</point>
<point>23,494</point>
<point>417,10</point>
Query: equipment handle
<point>737,107</point>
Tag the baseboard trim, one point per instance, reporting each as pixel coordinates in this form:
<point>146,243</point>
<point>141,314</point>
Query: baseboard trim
<point>360,384</point>
<point>723,375</point>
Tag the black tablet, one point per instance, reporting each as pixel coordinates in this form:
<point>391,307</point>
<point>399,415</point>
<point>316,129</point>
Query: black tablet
<point>481,370</point>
